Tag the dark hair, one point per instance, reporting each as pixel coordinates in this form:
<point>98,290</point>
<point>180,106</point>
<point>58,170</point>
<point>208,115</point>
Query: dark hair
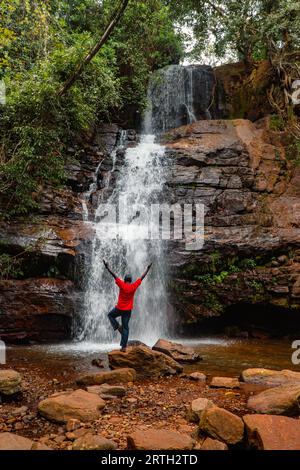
<point>128,278</point>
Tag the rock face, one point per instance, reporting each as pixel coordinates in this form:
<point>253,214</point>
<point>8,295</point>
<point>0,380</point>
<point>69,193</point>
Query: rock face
<point>10,382</point>
<point>283,400</point>
<point>112,376</point>
<point>222,425</point>
<point>159,439</point>
<point>79,405</point>
<point>270,378</point>
<point>176,351</point>
<point>36,309</point>
<point>239,172</point>
<point>146,362</point>
<point>42,302</point>
<point>224,382</point>
<point>272,432</point>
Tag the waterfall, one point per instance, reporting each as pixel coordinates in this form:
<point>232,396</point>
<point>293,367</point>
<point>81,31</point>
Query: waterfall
<point>181,95</point>
<point>140,182</point>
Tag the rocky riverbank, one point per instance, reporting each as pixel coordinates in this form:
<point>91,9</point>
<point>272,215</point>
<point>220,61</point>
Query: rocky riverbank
<point>167,410</point>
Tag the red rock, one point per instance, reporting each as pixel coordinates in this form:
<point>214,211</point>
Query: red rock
<point>159,439</point>
<point>178,352</point>
<point>222,425</point>
<point>78,404</point>
<point>122,375</point>
<point>93,442</point>
<point>284,400</point>
<point>213,444</point>
<point>267,432</point>
<point>224,382</point>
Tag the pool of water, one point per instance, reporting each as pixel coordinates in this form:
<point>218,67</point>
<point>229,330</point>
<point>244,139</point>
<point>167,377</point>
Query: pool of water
<point>221,356</point>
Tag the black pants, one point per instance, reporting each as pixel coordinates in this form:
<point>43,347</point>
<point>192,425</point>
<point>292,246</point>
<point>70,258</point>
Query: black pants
<point>125,317</point>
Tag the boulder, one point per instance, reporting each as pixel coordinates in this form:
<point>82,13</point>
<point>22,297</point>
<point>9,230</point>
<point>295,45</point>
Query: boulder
<point>93,442</point>
<point>224,382</point>
<point>10,441</point>
<point>10,382</point>
<point>222,425</point>
<point>105,389</point>
<point>196,409</point>
<point>177,351</point>
<point>268,432</point>
<point>123,375</point>
<point>213,444</point>
<point>269,377</point>
<point>78,404</point>
<point>199,376</point>
<point>159,439</point>
<point>145,361</point>
<point>283,400</point>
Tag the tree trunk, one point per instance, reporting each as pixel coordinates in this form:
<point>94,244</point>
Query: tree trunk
<point>95,49</point>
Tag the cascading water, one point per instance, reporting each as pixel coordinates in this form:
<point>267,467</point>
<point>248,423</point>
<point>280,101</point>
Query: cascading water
<point>178,95</point>
<point>140,183</point>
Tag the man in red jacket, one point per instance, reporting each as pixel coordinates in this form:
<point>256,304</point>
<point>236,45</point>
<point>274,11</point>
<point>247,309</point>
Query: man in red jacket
<point>125,303</point>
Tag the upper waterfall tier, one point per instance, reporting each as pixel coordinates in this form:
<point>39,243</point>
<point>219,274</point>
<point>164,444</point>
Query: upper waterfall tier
<point>179,95</point>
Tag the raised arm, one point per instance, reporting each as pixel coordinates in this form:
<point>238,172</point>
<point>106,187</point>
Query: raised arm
<point>146,272</point>
<point>109,270</point>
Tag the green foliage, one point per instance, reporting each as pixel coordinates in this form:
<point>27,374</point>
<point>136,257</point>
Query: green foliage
<point>249,30</point>
<point>10,267</point>
<point>41,44</point>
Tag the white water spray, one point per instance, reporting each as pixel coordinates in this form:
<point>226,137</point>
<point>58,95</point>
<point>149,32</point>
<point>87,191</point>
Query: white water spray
<point>140,182</point>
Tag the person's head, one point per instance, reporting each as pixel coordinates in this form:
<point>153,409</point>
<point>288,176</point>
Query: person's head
<point>128,279</point>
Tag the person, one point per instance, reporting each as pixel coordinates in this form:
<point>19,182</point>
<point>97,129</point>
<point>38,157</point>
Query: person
<point>125,303</point>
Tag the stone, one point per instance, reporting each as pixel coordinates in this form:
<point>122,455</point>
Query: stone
<point>213,444</point>
<point>106,389</point>
<point>197,376</point>
<point>178,352</point>
<point>196,409</point>
<point>10,382</point>
<point>224,382</point>
<point>122,375</point>
<point>73,424</point>
<point>159,439</point>
<point>146,362</point>
<point>78,404</point>
<point>93,442</point>
<point>10,441</point>
<point>222,425</point>
<point>282,400</point>
<point>268,432</point>
<point>269,377</point>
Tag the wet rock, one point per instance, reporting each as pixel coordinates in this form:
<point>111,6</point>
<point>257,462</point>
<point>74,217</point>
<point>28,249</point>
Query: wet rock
<point>222,425</point>
<point>93,442</point>
<point>159,439</point>
<point>40,309</point>
<point>197,408</point>
<point>197,376</point>
<point>267,432</point>
<point>146,362</point>
<point>105,389</point>
<point>224,382</point>
<point>213,444</point>
<point>97,363</point>
<point>178,352</point>
<point>282,400</point>
<point>10,441</point>
<point>79,405</point>
<point>122,375</point>
<point>269,377</point>
<point>10,382</point>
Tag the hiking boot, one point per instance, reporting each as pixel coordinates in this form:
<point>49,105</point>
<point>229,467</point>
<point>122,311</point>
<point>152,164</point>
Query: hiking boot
<point>123,350</point>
